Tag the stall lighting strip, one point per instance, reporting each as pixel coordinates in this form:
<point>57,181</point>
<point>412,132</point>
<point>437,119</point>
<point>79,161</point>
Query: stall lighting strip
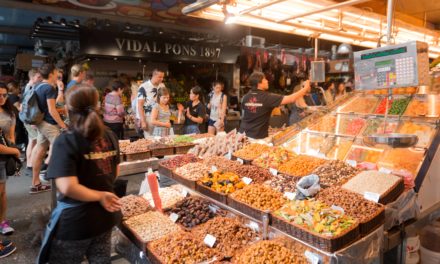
<point>300,17</point>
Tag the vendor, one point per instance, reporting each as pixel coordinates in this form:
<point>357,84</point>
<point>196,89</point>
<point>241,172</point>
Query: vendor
<point>258,105</point>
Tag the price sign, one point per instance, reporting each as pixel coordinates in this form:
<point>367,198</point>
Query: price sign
<point>337,208</point>
<point>372,196</point>
<point>254,226</point>
<point>240,161</point>
<point>184,193</point>
<point>213,208</point>
<point>214,169</point>
<point>290,195</point>
<point>174,217</point>
<point>209,240</point>
<point>229,155</point>
<point>385,170</point>
<point>246,180</point>
<point>273,171</point>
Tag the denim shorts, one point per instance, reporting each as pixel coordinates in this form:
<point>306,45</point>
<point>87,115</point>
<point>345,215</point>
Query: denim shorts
<point>211,122</point>
<point>192,129</point>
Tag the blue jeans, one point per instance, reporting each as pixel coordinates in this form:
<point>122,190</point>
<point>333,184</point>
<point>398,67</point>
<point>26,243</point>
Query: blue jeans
<point>192,129</point>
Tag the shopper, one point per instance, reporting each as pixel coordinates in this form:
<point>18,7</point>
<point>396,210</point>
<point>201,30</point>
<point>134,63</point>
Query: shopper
<point>14,95</point>
<point>258,105</point>
<point>89,80</point>
<point>114,111</point>
<point>340,92</point>
<point>84,171</point>
<point>49,128</point>
<point>146,98</point>
<point>329,94</point>
<point>217,105</point>
<point>160,115</point>
<point>34,79</point>
<point>77,75</point>
<point>195,111</point>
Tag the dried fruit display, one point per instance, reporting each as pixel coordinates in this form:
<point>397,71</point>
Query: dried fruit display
<point>376,126</point>
<point>363,105</point>
<point>257,174</point>
<point>260,197</point>
<point>382,107</point>
<point>220,145</point>
<point>398,106</point>
<point>312,143</point>
<point>316,217</point>
<point>183,139</point>
<point>182,247</point>
<point>335,172</point>
<point>179,161</point>
<point>133,205</point>
<point>360,154</point>
<point>283,183</point>
<point>231,235</point>
<point>340,149</point>
<point>424,132</point>
<point>251,151</point>
<point>274,158</point>
<point>402,159</point>
<point>351,127</point>
<point>201,136</point>
<point>222,163</point>
<point>353,204</point>
<point>168,195</point>
<point>372,181</point>
<point>326,124</point>
<point>192,211</point>
<point>264,252</point>
<point>301,165</point>
<point>426,106</point>
<point>193,171</point>
<point>138,146</point>
<point>151,225</point>
<point>286,133</point>
<point>227,182</point>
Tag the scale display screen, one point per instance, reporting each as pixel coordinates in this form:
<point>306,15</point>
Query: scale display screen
<point>401,65</point>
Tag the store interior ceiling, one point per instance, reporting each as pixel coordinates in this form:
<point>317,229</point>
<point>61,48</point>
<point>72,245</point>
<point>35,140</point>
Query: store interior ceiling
<point>18,19</point>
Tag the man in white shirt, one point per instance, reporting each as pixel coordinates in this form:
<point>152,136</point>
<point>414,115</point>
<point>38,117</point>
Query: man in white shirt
<point>146,97</point>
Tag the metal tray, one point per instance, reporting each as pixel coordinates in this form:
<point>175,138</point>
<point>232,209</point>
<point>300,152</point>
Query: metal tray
<point>394,140</point>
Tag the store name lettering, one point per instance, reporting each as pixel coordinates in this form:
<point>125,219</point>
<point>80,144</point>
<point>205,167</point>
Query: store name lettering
<point>131,45</point>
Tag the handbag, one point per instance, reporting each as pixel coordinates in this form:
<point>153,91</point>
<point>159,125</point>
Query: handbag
<point>12,163</point>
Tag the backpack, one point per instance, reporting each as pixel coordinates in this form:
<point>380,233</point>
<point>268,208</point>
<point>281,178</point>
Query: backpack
<point>31,113</point>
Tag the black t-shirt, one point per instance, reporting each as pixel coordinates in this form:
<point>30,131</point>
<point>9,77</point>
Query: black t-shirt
<point>257,108</point>
<point>199,110</point>
<point>44,92</point>
<point>94,163</point>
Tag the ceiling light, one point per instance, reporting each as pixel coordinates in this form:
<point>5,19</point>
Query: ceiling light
<point>76,23</point>
<point>49,20</point>
<point>127,26</point>
<point>230,19</point>
<point>160,32</point>
<point>63,22</point>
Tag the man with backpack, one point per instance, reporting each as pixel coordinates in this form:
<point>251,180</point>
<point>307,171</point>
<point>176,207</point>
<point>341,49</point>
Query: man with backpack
<point>40,109</point>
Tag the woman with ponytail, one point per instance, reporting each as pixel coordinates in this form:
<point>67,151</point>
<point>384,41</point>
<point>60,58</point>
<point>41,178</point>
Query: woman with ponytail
<point>84,167</point>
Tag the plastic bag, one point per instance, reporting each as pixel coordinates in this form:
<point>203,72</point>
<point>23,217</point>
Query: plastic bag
<point>404,208</point>
<point>308,186</point>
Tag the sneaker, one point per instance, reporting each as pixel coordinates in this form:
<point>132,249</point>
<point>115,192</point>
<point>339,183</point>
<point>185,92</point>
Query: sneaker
<point>6,251</point>
<point>39,188</point>
<point>42,177</point>
<point>5,229</point>
<point>5,243</point>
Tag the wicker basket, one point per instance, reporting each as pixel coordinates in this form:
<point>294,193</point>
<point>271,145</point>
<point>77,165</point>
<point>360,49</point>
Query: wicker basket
<point>183,149</point>
<point>221,197</point>
<point>138,156</point>
<point>393,193</point>
<point>366,227</point>
<point>246,209</point>
<point>324,243</point>
<point>159,152</point>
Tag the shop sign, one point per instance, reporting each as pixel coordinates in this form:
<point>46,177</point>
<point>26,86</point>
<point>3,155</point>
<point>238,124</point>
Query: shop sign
<point>107,44</point>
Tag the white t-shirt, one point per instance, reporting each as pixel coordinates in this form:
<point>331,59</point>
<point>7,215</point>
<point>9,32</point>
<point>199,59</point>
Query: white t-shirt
<point>216,105</point>
<point>148,92</point>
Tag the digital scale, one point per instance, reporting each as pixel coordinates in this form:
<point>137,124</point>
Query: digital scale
<point>395,66</point>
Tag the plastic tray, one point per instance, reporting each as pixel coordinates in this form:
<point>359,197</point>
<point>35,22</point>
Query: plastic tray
<point>424,131</point>
<point>408,159</point>
<point>326,244</point>
<point>221,197</point>
<point>133,237</point>
<point>427,106</point>
<point>246,209</point>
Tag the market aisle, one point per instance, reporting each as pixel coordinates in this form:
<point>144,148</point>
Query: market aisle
<point>28,215</point>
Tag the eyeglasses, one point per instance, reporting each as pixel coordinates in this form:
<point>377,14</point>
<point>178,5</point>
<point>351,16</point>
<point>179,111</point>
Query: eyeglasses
<point>4,95</point>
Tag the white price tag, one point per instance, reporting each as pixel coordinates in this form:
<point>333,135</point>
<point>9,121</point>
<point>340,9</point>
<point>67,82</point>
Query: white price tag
<point>229,155</point>
<point>385,170</point>
<point>312,257</point>
<point>254,226</point>
<point>213,208</point>
<point>290,195</point>
<point>240,161</point>
<point>372,196</point>
<point>273,171</point>
<point>209,240</point>
<point>270,144</point>
<point>320,155</point>
<point>214,169</point>
<point>174,217</point>
<point>352,163</point>
<point>246,180</point>
<point>338,208</point>
<point>184,193</point>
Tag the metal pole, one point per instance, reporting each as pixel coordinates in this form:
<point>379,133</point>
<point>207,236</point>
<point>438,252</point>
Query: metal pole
<point>390,14</point>
<point>316,48</point>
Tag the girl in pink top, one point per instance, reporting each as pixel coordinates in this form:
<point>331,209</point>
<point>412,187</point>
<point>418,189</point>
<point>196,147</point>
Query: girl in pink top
<point>114,111</point>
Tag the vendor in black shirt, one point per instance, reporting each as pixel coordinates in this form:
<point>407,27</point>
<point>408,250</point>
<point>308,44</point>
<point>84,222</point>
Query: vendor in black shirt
<point>84,168</point>
<point>258,105</point>
<point>195,111</point>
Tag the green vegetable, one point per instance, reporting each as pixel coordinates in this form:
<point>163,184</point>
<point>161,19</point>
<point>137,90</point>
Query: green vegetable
<point>398,106</point>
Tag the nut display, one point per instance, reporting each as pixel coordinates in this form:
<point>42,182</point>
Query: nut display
<point>223,182</point>
<point>168,195</point>
<point>133,205</point>
<point>158,145</point>
<point>353,204</point>
<point>251,151</point>
<point>372,181</point>
<point>179,161</point>
<point>182,247</point>
<point>327,124</point>
<point>274,158</point>
<point>221,163</point>
<point>257,174</point>
<point>138,146</point>
<point>151,225</point>
<point>260,197</point>
<point>301,165</point>
<point>398,106</point>
<point>402,158</point>
<point>269,252</point>
<point>423,131</point>
<point>192,211</point>
<point>220,145</point>
<point>316,217</point>
<point>335,172</point>
<point>231,235</point>
<point>193,171</point>
<point>283,183</point>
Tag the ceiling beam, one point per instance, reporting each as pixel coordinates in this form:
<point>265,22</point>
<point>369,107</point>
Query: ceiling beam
<point>251,9</point>
<point>320,10</point>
